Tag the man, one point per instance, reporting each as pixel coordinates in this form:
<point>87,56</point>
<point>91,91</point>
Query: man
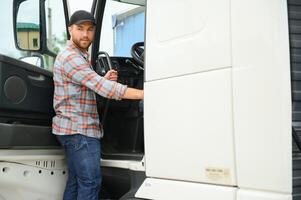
<point>76,122</point>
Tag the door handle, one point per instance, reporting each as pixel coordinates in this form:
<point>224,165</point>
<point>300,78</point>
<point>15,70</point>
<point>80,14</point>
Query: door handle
<point>37,78</point>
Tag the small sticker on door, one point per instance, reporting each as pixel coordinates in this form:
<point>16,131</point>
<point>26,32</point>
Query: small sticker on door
<point>217,175</point>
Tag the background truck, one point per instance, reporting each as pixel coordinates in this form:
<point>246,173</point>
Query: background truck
<point>222,85</point>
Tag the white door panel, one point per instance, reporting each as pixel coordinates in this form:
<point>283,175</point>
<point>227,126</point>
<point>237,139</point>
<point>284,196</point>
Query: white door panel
<point>32,174</point>
<point>184,37</point>
<point>188,128</point>
<point>261,95</point>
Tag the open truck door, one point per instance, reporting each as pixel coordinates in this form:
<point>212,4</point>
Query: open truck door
<point>32,162</point>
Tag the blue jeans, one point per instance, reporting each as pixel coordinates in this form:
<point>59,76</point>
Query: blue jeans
<point>83,160</point>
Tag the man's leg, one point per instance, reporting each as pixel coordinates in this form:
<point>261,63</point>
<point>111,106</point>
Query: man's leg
<point>88,169</point>
<point>83,159</point>
<point>70,192</point>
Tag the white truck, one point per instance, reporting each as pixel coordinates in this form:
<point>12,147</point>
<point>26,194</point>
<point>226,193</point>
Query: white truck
<point>222,81</point>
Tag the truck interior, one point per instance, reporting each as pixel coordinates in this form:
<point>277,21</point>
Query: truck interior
<point>122,120</point>
<point>26,89</point>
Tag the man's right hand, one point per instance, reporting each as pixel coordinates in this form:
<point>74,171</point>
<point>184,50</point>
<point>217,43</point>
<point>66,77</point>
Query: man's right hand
<point>111,75</point>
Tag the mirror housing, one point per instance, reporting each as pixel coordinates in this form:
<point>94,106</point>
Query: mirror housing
<point>27,29</point>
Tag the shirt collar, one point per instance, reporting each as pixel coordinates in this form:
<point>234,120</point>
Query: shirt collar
<point>74,47</point>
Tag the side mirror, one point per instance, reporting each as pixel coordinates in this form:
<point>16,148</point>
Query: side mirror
<point>27,24</point>
<point>36,60</point>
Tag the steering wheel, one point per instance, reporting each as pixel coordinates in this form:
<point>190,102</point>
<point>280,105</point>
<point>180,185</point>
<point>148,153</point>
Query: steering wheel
<point>137,52</point>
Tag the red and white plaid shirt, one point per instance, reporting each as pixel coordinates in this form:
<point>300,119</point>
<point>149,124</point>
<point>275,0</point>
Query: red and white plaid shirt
<point>75,85</point>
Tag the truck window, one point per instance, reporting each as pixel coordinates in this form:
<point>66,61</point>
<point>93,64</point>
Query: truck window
<point>56,29</point>
<point>123,26</point>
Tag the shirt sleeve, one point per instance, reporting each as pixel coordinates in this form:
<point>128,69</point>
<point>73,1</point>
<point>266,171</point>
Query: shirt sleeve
<point>79,71</point>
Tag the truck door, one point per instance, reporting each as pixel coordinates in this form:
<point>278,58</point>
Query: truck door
<point>32,33</point>
<point>26,60</point>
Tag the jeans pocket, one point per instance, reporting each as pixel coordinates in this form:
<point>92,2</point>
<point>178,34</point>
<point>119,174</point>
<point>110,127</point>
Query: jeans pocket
<point>73,143</point>
<point>93,145</point>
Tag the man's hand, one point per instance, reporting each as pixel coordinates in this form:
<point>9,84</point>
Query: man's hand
<point>132,93</point>
<point>111,75</point>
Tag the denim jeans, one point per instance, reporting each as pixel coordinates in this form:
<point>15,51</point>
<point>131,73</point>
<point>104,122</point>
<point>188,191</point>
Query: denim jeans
<point>83,160</point>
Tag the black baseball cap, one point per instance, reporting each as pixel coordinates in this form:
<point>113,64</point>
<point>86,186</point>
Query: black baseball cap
<point>81,16</point>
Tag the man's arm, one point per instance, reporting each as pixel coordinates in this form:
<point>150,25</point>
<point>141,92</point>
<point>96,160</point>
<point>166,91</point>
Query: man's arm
<point>78,71</point>
<point>132,93</point>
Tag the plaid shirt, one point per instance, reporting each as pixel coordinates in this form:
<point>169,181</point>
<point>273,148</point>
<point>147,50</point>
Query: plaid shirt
<point>74,102</point>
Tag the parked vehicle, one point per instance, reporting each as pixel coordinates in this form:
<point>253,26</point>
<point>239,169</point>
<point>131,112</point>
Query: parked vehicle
<point>222,99</point>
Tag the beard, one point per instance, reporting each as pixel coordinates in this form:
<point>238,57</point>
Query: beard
<point>82,43</point>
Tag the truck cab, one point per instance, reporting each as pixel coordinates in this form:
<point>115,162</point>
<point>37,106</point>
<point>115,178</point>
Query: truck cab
<point>221,82</point>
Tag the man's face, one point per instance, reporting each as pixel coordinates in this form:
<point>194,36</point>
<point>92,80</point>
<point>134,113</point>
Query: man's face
<point>82,34</point>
